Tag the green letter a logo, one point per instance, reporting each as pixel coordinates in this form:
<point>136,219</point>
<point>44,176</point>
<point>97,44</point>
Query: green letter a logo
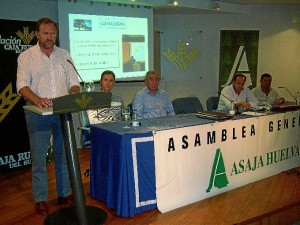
<point>218,176</point>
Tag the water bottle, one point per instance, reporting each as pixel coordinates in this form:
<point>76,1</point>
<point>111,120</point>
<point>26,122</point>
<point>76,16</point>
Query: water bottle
<point>232,108</point>
<point>135,122</point>
<point>268,107</point>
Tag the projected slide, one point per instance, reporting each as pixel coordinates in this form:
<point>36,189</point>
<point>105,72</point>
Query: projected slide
<point>99,43</point>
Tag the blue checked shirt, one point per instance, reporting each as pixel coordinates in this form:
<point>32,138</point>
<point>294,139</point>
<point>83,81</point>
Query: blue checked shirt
<point>149,105</point>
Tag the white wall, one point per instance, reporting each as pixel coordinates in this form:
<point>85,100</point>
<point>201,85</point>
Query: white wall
<point>30,10</point>
<point>279,48</point>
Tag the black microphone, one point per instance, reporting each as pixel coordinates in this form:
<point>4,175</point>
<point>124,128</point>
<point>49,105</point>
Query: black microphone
<point>290,93</point>
<point>69,61</point>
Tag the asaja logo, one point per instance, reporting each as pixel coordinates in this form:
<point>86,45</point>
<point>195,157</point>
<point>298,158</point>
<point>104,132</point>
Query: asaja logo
<point>8,100</point>
<point>218,177</point>
<point>26,37</point>
<point>182,59</point>
<point>84,101</point>
<point>18,43</point>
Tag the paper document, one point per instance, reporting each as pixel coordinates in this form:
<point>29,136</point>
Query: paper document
<point>253,113</point>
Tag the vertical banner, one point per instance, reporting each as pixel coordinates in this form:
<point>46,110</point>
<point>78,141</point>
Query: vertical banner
<point>238,54</point>
<point>15,37</point>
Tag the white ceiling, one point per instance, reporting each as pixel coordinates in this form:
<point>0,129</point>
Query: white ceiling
<point>283,2</point>
<point>165,7</point>
<point>185,10</point>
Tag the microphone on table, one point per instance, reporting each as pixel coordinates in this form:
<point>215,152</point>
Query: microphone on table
<point>290,94</point>
<point>69,61</point>
<point>232,110</point>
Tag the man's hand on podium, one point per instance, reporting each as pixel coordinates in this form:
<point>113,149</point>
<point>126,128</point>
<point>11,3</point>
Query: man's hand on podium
<point>44,103</point>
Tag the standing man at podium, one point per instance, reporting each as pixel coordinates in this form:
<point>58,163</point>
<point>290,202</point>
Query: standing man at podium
<point>45,72</point>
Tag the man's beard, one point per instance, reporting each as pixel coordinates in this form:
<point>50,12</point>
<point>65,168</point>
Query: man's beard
<point>47,44</point>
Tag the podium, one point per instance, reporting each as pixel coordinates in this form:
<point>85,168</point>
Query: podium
<point>80,213</point>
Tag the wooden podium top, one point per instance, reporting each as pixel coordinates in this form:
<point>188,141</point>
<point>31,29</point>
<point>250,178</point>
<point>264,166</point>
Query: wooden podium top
<point>49,110</point>
<point>75,102</point>
<point>38,110</point>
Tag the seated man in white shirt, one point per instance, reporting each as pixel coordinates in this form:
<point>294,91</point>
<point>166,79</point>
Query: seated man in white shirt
<point>107,82</point>
<point>265,93</point>
<point>236,93</point>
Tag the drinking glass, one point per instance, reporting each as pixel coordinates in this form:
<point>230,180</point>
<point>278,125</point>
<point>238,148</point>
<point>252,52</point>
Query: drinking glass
<point>126,116</point>
<point>126,113</point>
<point>89,86</point>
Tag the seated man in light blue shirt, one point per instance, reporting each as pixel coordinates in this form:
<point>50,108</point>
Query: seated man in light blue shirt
<point>242,97</point>
<point>151,101</point>
<point>265,93</point>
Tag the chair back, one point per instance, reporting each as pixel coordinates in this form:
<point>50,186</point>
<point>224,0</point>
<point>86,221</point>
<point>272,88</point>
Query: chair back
<point>212,103</point>
<point>187,105</point>
<point>83,119</point>
<point>85,128</point>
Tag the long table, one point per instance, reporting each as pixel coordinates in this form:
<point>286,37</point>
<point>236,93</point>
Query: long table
<point>123,162</point>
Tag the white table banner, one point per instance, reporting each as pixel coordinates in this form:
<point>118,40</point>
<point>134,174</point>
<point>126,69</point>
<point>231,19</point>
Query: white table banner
<point>194,163</point>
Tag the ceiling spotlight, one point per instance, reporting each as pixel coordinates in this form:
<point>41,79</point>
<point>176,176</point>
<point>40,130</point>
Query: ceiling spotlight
<point>173,3</point>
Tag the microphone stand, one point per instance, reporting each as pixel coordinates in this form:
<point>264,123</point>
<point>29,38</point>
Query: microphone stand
<point>290,93</point>
<point>232,105</point>
<point>225,97</point>
<point>69,61</point>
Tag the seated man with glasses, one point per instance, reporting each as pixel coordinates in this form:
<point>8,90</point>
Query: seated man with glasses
<point>151,101</point>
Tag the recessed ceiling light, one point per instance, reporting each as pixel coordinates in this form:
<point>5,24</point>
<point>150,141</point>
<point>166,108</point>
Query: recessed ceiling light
<point>173,3</point>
